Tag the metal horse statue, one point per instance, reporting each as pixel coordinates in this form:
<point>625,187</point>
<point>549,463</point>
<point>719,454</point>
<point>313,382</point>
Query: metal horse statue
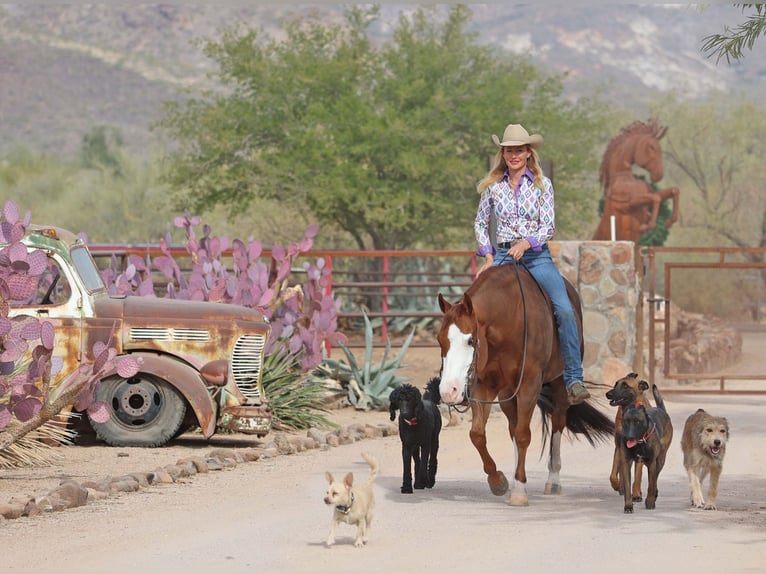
<point>499,345</point>
<point>633,202</point>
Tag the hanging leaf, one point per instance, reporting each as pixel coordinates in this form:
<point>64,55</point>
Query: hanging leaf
<point>25,409</point>
<point>99,411</point>
<point>128,366</point>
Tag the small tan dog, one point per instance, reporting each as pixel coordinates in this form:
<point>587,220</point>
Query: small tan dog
<point>704,446</point>
<point>352,504</point>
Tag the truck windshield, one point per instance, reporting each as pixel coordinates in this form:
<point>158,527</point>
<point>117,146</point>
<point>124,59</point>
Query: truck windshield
<point>87,269</point>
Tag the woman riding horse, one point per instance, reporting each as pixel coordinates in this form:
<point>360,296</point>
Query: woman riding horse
<point>520,197</point>
<point>500,343</point>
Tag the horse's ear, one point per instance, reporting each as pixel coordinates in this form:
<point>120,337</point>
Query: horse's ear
<point>467,303</point>
<point>444,305</point>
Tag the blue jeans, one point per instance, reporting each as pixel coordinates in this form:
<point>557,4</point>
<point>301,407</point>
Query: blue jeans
<point>540,264</point>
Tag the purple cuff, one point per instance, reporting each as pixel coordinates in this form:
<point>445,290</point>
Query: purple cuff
<point>534,244</point>
<point>484,249</point>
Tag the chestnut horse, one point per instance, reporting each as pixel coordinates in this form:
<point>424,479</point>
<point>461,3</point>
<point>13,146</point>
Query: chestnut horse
<point>499,345</point>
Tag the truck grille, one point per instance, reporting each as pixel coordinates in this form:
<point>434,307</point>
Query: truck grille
<point>165,334</point>
<point>246,364</point>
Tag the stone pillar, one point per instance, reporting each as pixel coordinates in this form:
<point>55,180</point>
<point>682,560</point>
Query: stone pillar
<point>605,275</point>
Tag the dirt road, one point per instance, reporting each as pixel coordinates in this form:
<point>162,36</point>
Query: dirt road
<point>269,517</point>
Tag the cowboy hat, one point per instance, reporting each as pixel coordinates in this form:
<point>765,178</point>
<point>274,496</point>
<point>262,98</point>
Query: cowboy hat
<point>515,134</point>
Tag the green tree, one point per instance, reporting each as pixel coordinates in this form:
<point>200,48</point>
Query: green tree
<point>384,141</point>
<point>129,207</point>
<point>731,43</point>
<point>714,153</point>
<point>100,149</point>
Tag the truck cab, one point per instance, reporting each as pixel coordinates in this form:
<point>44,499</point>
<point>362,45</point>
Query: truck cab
<point>200,362</point>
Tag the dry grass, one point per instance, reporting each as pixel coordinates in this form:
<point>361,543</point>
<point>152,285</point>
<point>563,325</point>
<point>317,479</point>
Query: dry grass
<point>36,448</point>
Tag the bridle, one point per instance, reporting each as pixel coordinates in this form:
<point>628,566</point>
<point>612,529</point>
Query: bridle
<point>472,376</point>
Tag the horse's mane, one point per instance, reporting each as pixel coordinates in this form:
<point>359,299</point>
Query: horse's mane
<point>637,128</point>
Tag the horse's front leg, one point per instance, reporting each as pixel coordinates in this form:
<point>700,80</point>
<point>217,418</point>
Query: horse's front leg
<point>498,484</point>
<point>673,192</point>
<point>521,439</point>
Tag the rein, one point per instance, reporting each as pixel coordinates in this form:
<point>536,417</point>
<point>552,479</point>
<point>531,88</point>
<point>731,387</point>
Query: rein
<point>472,372</point>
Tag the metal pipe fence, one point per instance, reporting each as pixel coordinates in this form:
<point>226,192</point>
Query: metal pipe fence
<point>395,289</point>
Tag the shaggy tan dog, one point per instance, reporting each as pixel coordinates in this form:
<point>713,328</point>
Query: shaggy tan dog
<point>352,504</point>
<point>704,446</point>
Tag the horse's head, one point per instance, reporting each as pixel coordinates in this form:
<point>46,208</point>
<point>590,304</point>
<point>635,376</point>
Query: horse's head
<point>648,154</point>
<point>458,339</point>
<point>637,143</point>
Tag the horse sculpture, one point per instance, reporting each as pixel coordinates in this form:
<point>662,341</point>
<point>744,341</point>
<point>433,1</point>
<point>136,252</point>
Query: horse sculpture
<point>633,202</point>
<point>499,345</point>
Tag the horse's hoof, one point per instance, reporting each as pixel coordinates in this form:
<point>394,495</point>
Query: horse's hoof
<point>519,499</point>
<point>500,486</point>
<point>552,488</point>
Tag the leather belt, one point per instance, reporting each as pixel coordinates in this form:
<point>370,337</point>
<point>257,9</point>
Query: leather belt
<point>509,244</point>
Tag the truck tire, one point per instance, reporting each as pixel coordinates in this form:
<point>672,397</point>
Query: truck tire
<point>144,411</point>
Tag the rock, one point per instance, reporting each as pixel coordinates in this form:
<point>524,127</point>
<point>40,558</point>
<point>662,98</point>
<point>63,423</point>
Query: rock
<point>198,463</point>
<point>103,485</point>
<point>96,495</point>
<point>51,503</point>
<point>12,510</point>
<point>223,453</point>
<point>72,493</point>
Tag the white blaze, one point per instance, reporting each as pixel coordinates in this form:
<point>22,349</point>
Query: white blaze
<point>455,365</point>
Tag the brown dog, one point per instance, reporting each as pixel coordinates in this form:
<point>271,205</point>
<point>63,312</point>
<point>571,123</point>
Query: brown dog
<point>625,392</point>
<point>645,437</point>
<point>352,504</point>
<point>704,446</point>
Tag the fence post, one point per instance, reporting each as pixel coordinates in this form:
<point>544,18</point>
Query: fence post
<point>384,308</point>
<point>328,292</point>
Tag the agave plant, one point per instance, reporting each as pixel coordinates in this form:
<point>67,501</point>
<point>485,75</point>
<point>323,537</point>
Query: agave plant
<point>295,399</point>
<point>370,385</point>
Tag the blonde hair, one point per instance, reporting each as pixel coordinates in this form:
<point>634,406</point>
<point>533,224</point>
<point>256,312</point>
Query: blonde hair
<point>499,167</point>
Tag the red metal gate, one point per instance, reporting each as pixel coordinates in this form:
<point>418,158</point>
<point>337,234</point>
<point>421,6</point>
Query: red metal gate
<point>730,261</point>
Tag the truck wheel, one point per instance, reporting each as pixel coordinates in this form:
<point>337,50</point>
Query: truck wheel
<point>144,411</point>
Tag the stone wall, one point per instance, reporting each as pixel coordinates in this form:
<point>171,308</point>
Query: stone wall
<point>605,275</point>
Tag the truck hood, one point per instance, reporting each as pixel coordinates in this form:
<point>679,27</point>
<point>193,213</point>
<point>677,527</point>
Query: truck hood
<point>135,308</point>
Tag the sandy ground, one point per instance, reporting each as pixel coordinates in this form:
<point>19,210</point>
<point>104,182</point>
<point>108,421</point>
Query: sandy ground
<point>268,516</point>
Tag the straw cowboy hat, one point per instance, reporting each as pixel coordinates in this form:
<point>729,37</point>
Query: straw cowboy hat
<point>515,134</point>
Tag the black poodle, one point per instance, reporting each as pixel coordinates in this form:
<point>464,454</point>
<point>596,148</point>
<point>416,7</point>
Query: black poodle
<point>420,423</point>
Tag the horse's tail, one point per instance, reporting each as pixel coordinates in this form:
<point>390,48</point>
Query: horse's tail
<point>583,419</point>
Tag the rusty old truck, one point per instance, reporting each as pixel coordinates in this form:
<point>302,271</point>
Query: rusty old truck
<point>201,362</point>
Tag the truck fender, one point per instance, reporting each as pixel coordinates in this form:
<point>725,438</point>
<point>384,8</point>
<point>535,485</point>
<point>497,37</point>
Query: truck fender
<point>188,381</point>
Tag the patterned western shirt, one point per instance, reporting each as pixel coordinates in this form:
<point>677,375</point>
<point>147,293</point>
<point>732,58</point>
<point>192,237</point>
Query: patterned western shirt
<point>526,212</point>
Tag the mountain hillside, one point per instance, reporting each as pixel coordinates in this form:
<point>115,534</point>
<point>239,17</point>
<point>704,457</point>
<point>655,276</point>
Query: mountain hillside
<point>67,68</point>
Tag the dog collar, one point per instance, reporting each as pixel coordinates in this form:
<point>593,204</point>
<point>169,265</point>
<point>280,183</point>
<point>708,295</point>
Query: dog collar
<point>648,433</point>
<point>343,509</point>
<point>630,443</point>
<point>412,422</point>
